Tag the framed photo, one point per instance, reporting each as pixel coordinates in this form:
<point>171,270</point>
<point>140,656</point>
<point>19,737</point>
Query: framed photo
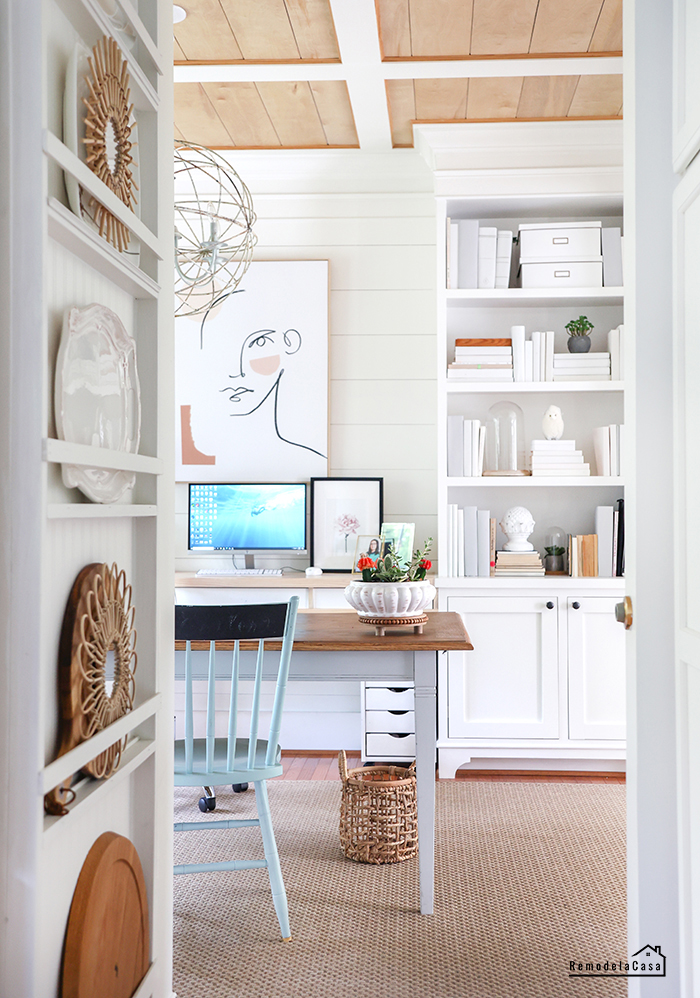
<point>367,546</point>
<point>342,510</point>
<point>398,537</point>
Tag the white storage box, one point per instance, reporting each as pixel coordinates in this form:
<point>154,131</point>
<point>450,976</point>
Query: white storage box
<point>566,274</point>
<point>545,241</point>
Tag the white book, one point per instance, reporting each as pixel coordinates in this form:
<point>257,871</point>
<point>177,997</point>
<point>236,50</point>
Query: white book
<point>622,351</point>
<point>602,376</point>
<point>614,457</point>
<point>604,530</point>
<point>467,264</point>
<point>567,461</point>
<point>479,363</point>
<point>482,448</point>
<point>517,335</point>
<point>483,351</point>
<point>453,545</point>
<point>460,542</point>
<point>451,527</point>
<point>455,446</point>
<point>612,257</point>
<point>504,248</point>
<point>601,449</point>
<point>467,449</point>
<point>483,543</point>
<point>621,447</point>
<point>536,364</point>
<point>549,355</point>
<point>576,359</point>
<point>614,348</point>
<point>582,469</point>
<point>487,256</point>
<point>470,542</point>
<point>476,425</point>
<point>569,367</point>
<point>484,374</point>
<point>557,456</point>
<point>552,445</point>
<point>452,253</point>
<point>528,360</point>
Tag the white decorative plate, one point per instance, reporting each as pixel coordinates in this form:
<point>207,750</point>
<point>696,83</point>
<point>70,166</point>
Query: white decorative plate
<point>97,399</point>
<point>73,134</point>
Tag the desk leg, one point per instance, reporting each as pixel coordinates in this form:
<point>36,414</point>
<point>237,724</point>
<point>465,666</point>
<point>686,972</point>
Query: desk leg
<point>425,673</point>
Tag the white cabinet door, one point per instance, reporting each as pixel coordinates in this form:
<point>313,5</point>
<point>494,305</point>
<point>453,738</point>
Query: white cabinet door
<point>507,687</point>
<point>596,652</point>
<point>686,83</point>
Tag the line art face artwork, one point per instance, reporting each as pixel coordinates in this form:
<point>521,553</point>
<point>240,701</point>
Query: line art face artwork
<point>252,379</point>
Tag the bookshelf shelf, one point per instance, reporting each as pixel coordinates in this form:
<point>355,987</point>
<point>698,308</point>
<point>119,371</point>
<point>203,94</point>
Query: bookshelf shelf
<point>456,387</point>
<point>538,482</point>
<point>509,297</point>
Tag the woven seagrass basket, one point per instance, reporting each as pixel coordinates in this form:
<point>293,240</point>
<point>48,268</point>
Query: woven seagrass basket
<point>378,819</point>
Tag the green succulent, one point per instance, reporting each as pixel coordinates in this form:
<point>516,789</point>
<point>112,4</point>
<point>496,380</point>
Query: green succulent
<point>579,327</point>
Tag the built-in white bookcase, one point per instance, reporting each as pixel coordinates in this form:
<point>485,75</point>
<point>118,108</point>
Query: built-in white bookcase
<point>533,690</point>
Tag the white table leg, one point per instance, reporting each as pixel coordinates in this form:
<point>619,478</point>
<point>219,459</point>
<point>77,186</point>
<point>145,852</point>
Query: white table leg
<point>425,674</point>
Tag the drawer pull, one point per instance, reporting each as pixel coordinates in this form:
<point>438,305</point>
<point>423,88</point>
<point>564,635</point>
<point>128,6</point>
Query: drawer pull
<point>549,605</point>
<point>405,735</point>
<point>560,240</point>
<point>397,713</point>
<point>398,689</point>
<point>562,273</point>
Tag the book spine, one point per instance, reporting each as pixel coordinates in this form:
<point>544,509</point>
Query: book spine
<point>492,546</point>
<point>604,530</point>
<point>518,336</point>
<point>549,355</point>
<point>468,256</point>
<point>470,542</point>
<point>467,449</point>
<point>528,360</point>
<point>460,542</point>
<point>487,257</point>
<point>483,527</point>
<point>504,247</point>
<point>455,446</point>
<point>612,257</point>
<point>620,564</point>
<point>452,254</point>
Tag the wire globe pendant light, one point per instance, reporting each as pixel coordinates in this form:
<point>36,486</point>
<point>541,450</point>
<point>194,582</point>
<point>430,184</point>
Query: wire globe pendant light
<point>214,236</point>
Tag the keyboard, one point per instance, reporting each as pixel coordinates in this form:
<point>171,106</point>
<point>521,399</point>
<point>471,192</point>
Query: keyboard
<point>223,572</point>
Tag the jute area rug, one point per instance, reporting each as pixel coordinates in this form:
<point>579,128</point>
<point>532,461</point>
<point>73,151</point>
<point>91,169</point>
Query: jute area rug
<point>528,877</point>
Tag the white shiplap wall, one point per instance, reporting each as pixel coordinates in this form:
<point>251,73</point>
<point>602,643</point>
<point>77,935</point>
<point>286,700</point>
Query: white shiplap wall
<point>381,249</point>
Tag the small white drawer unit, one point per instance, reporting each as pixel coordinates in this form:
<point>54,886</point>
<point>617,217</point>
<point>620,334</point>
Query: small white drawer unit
<point>388,723</point>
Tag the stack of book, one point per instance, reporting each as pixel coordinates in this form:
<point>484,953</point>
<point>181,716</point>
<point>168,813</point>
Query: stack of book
<point>610,530</point>
<point>581,367</point>
<point>465,447</point>
<point>480,359</point>
<point>616,348</point>
<point>471,541</point>
<point>477,256</point>
<point>607,446</point>
<point>583,555</point>
<point>521,563</point>
<point>557,458</point>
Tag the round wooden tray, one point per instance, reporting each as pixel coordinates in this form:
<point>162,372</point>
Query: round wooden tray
<point>107,949</point>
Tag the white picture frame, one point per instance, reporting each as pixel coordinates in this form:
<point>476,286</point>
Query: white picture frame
<point>342,509</point>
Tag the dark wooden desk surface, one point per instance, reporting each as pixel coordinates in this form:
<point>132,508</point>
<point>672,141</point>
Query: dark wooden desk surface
<point>323,630</point>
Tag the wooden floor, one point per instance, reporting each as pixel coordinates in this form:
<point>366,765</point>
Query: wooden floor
<point>324,766</point>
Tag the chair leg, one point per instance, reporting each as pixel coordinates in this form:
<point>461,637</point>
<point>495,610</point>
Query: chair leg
<point>279,895</point>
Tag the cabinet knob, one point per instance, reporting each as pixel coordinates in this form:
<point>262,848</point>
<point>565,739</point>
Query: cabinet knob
<point>549,605</point>
<point>576,606</point>
<point>623,612</point>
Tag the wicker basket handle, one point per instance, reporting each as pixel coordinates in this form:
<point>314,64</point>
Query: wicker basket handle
<point>343,766</point>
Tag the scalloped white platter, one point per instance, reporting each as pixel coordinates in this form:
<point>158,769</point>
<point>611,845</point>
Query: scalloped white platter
<point>97,398</point>
<point>73,134</point>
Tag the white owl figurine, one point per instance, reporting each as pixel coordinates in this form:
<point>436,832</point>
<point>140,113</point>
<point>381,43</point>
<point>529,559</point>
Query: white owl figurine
<point>552,423</point>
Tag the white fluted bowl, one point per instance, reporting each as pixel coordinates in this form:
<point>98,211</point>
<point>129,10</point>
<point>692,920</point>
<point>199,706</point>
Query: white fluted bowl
<point>390,599</point>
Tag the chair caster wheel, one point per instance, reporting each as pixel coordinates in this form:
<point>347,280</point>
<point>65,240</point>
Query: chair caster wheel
<point>239,788</point>
<point>207,804</point>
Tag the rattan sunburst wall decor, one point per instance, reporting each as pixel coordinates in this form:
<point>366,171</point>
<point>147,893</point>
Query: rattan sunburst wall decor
<point>97,661</point>
<point>108,135</point>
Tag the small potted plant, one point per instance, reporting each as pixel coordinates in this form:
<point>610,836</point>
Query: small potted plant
<point>391,587</point>
<point>578,330</point>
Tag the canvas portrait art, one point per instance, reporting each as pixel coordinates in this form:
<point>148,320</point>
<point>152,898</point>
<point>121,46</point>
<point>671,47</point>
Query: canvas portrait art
<point>251,379</point>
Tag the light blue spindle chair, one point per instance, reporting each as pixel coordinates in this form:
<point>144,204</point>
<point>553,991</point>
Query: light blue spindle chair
<point>212,761</point>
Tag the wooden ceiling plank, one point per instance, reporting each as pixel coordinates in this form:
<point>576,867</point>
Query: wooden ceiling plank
<point>314,31</point>
<point>178,54</point>
<point>402,111</point>
<point>440,27</point>
<point>502,27</point>
<point>293,113</point>
<point>546,96</point>
<point>196,119</point>
<point>394,28</point>
<point>564,25</point>
<point>597,97</point>
<point>262,29</point>
<point>441,99</point>
<point>243,113</point>
<point>494,97</point>
<point>607,36</point>
<point>205,34</point>
<point>333,105</point>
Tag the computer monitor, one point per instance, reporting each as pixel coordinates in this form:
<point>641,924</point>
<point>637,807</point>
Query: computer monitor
<point>247,517</point>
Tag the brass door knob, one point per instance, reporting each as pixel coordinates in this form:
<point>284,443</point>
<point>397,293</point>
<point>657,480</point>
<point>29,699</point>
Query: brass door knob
<point>623,613</point>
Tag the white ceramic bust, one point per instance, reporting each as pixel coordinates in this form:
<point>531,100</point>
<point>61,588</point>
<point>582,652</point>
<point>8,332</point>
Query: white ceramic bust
<point>517,524</point>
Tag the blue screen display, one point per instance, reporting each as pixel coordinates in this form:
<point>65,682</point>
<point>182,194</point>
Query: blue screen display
<point>247,517</point>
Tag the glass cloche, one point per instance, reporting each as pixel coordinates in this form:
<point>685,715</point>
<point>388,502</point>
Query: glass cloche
<point>505,440</point>
<point>555,543</point>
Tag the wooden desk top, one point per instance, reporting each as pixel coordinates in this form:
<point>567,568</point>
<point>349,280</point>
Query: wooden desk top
<point>342,631</point>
